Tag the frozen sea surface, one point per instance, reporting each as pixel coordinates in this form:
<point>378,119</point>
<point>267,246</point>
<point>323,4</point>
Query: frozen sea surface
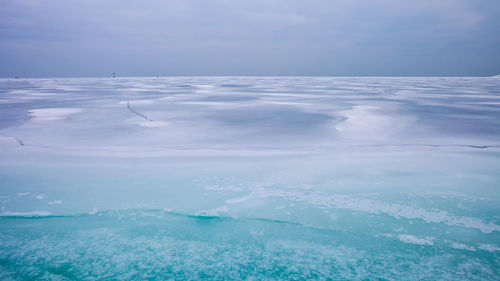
<point>258,178</point>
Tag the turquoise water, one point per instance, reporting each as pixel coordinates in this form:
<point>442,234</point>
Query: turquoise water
<point>256,178</point>
<point>155,244</point>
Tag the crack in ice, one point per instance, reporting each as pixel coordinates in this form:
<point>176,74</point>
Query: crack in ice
<point>137,113</point>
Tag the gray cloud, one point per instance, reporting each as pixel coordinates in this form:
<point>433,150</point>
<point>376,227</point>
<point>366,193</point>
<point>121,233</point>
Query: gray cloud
<point>360,37</point>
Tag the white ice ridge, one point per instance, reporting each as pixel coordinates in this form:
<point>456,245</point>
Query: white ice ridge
<point>52,114</point>
<point>153,124</point>
<point>212,212</point>
<point>411,239</point>
<point>489,247</point>
<point>21,194</point>
<point>41,196</point>
<point>25,214</point>
<point>373,207</point>
<point>460,246</point>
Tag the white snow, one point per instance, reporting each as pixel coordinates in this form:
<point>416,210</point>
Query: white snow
<point>52,114</point>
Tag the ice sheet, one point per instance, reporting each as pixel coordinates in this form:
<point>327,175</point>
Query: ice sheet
<point>394,178</point>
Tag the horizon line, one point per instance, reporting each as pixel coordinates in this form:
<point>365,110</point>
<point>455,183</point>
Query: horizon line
<point>290,76</point>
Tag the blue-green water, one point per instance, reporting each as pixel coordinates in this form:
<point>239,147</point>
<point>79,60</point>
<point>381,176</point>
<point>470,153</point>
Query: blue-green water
<point>253,178</point>
<point>153,244</point>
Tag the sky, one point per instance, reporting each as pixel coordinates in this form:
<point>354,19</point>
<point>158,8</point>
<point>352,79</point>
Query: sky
<point>85,38</point>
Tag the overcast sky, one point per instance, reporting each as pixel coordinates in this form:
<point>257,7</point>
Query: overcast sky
<point>255,37</point>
